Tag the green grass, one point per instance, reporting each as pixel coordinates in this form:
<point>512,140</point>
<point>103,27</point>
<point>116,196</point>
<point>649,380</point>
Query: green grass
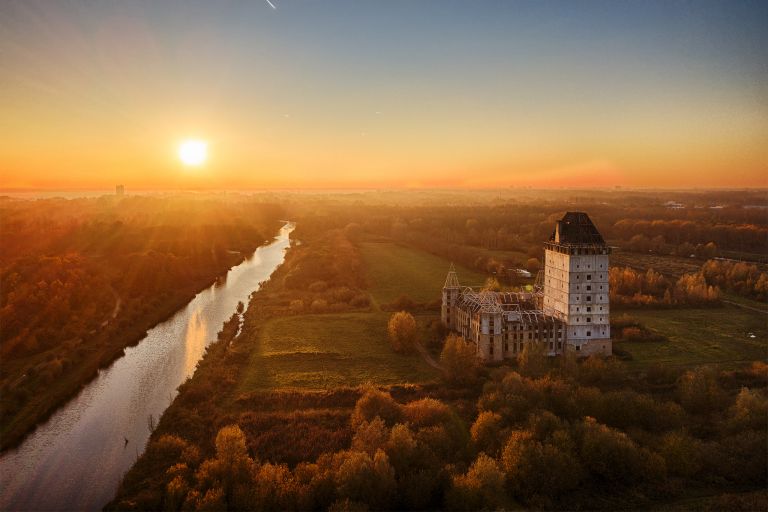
<point>393,270</point>
<point>327,351</point>
<point>700,336</point>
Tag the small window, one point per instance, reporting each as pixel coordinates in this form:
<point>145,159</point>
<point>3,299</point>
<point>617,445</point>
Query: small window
<point>589,309</point>
<point>589,333</point>
<point>589,298</point>
<point>589,288</point>
<point>578,347</point>
<point>589,319</point>
<point>589,277</point>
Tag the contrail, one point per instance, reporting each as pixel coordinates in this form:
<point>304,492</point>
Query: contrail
<point>271,5</point>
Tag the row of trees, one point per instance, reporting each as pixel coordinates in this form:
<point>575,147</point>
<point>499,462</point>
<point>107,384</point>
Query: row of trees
<point>739,277</point>
<point>628,287</point>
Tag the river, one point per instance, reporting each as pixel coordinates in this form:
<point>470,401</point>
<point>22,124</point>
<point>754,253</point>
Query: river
<point>76,459</point>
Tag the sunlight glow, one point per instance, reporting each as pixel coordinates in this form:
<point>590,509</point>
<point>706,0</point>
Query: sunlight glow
<point>193,152</point>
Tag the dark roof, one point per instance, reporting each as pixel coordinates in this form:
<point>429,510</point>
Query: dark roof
<point>577,228</point>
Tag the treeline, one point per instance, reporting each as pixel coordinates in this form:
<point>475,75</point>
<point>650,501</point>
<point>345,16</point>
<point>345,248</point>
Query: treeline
<point>685,237</point>
<point>572,436</point>
<point>324,274</point>
<point>742,278</point>
<point>628,287</point>
<point>508,231</point>
<point>82,279</point>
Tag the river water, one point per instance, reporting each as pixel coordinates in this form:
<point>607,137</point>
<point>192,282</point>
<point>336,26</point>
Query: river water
<point>76,459</point>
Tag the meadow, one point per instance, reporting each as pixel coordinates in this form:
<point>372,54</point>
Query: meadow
<point>328,351</point>
<point>393,270</point>
<point>699,336</point>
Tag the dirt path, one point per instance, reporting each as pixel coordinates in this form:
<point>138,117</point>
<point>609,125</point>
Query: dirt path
<point>744,306</point>
<point>428,357</point>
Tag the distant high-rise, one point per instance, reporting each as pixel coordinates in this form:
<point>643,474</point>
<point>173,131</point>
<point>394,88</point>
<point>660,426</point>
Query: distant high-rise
<point>119,190</point>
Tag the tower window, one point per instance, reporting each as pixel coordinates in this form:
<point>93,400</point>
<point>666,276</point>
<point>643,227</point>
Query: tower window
<point>589,333</point>
<point>589,319</point>
<point>589,309</point>
<point>589,277</point>
<point>589,287</point>
<point>589,298</point>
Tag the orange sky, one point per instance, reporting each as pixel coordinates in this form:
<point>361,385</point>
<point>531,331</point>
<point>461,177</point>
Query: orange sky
<point>357,96</point>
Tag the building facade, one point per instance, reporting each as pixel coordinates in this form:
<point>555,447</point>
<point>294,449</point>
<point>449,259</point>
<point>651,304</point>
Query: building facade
<point>568,311</point>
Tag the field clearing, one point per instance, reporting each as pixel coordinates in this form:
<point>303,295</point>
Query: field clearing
<point>393,270</point>
<point>700,336</point>
<point>327,351</point>
<point>668,265</point>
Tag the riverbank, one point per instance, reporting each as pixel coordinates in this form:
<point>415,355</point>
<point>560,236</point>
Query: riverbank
<point>14,430</point>
<point>99,434</point>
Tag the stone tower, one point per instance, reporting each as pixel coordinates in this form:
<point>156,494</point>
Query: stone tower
<point>576,283</point>
<point>451,290</point>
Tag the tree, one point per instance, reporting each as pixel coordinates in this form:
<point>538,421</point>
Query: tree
<point>234,463</point>
<point>486,432</point>
<point>370,436</point>
<point>459,360</point>
<point>375,403</point>
<point>535,469</point>
<point>699,391</point>
<point>403,332</point>
<point>533,359</point>
<point>480,488</point>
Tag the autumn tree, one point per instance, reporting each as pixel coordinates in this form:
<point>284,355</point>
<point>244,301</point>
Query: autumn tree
<point>480,488</point>
<point>486,432</point>
<point>699,391</point>
<point>459,360</point>
<point>402,331</point>
<point>376,403</point>
<point>533,360</point>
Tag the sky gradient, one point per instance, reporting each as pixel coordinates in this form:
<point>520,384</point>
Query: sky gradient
<point>333,94</point>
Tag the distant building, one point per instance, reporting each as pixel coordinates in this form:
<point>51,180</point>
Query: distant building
<point>119,190</point>
<point>568,309</point>
<point>674,205</point>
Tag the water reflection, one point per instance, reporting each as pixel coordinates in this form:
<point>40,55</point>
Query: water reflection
<point>195,342</point>
<point>76,459</point>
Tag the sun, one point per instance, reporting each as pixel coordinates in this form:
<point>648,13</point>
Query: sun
<point>193,152</point>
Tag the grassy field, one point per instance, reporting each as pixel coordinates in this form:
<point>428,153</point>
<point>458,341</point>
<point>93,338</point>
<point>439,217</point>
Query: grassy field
<point>674,266</point>
<point>393,270</point>
<point>326,351</point>
<point>700,336</point>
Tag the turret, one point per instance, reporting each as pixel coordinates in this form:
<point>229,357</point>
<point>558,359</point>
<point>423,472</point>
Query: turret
<point>451,290</point>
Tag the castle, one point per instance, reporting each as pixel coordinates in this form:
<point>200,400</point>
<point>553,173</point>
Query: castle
<point>568,309</point>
